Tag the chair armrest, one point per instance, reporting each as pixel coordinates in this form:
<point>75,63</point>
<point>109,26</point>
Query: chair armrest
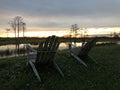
<point>29,48</point>
<point>71,45</point>
<point>48,51</point>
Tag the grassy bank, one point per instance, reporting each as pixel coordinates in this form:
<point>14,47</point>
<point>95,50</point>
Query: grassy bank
<point>15,75</point>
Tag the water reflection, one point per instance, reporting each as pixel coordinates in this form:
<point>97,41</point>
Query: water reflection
<point>10,50</point>
<point>16,50</point>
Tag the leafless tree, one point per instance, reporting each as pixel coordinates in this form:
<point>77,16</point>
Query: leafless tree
<point>7,31</point>
<point>17,25</point>
<point>24,27</point>
<point>83,35</point>
<point>74,29</point>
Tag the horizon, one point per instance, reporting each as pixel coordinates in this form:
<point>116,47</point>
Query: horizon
<point>89,31</point>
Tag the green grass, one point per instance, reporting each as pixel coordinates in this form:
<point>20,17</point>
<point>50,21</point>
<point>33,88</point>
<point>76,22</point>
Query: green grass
<point>15,75</point>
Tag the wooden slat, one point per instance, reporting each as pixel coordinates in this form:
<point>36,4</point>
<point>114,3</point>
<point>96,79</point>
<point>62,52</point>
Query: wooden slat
<point>51,42</point>
<point>35,71</point>
<point>78,59</point>
<point>49,49</point>
<point>92,59</point>
<point>43,48</point>
<point>87,47</point>
<point>46,55</point>
<point>46,50</point>
<point>39,54</point>
<point>54,47</point>
<point>76,50</point>
<point>58,69</point>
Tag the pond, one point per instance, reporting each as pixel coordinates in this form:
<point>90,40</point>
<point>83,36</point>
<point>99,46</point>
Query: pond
<point>10,50</point>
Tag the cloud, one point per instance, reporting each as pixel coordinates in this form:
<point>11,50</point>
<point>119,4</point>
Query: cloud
<point>60,13</point>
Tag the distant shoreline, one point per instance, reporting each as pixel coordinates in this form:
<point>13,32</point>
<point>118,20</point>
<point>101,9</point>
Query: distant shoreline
<point>5,41</point>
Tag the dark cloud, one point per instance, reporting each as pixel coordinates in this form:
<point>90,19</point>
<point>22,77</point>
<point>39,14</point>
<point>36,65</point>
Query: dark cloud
<point>84,12</point>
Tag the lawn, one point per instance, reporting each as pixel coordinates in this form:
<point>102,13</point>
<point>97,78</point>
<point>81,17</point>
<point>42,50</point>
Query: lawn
<point>15,75</point>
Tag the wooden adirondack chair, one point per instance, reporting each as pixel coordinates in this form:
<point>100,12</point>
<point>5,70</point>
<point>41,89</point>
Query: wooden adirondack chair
<point>81,53</point>
<point>44,56</point>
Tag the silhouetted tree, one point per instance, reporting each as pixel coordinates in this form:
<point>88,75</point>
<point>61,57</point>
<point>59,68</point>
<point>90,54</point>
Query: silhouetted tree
<point>7,31</point>
<point>74,29</point>
<point>17,25</point>
<point>24,27</point>
<point>83,35</point>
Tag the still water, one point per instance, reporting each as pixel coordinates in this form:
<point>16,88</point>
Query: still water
<point>10,50</point>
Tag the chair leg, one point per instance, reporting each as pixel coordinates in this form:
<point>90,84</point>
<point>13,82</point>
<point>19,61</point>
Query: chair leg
<point>77,58</point>
<point>35,71</point>
<point>58,69</point>
<point>93,59</point>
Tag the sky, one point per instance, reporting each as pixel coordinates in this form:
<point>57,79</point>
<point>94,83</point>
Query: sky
<point>59,15</point>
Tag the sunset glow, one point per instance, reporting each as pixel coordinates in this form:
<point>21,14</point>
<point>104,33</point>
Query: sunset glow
<point>44,32</point>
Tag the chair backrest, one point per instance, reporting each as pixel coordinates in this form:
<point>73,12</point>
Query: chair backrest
<point>47,49</point>
<point>87,47</point>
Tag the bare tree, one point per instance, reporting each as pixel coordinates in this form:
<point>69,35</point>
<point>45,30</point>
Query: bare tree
<point>83,35</point>
<point>24,27</point>
<point>17,25</point>
<point>74,29</point>
<point>7,31</point>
